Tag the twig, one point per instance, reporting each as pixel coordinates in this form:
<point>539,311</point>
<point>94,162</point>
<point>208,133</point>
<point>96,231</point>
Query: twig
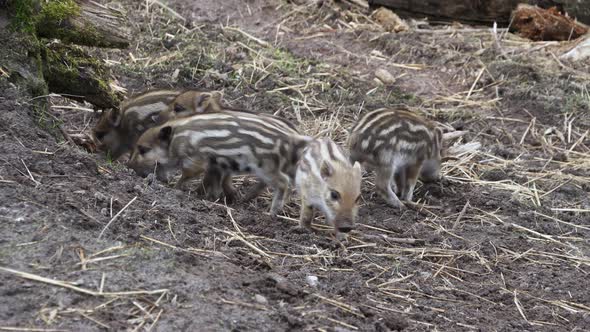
<point>170,10</point>
<point>115,217</point>
<point>64,284</point>
<point>30,175</point>
<point>460,216</point>
<point>343,306</point>
<point>519,307</point>
<point>475,83</point>
<point>195,251</point>
<point>259,41</point>
<point>28,329</point>
<point>545,236</point>
<point>77,108</point>
<point>581,139</point>
<point>155,320</point>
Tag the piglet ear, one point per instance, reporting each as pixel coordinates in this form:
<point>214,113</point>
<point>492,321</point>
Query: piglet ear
<point>165,134</point>
<point>357,168</point>
<point>216,96</point>
<point>201,101</point>
<point>326,170</point>
<point>439,134</point>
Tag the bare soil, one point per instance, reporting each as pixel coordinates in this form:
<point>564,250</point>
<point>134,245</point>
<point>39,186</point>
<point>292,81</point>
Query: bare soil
<point>501,243</point>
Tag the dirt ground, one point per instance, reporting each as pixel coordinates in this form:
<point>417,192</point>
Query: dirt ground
<point>501,243</point>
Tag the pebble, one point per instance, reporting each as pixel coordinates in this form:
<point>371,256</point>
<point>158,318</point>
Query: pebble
<point>260,299</point>
<point>312,280</point>
<point>150,178</point>
<point>100,196</point>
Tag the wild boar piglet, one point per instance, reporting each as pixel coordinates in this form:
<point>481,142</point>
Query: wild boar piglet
<point>400,146</point>
<point>235,142</point>
<point>218,181</point>
<point>327,181</point>
<point>117,130</point>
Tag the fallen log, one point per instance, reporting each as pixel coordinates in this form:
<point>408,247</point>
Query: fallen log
<point>540,24</point>
<point>69,70</point>
<point>478,12</point>
<point>65,69</point>
<point>83,22</point>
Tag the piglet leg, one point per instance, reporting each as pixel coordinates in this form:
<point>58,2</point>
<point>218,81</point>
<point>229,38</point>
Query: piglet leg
<point>383,180</point>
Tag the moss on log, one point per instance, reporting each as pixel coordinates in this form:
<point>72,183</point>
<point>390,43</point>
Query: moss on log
<point>82,22</point>
<point>21,66</point>
<point>71,71</point>
<point>64,69</point>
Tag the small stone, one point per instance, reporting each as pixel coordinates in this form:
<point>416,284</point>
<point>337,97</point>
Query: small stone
<point>150,178</point>
<point>312,281</point>
<point>389,20</point>
<point>260,299</point>
<point>100,196</point>
<point>384,76</point>
<point>341,329</point>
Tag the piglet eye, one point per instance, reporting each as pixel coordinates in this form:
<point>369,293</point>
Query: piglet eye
<point>334,195</point>
<point>179,108</point>
<point>100,135</point>
<point>142,149</point>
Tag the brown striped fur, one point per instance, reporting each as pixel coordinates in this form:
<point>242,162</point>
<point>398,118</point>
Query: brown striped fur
<point>235,142</point>
<point>400,146</point>
<point>327,181</point>
<point>218,183</point>
<point>117,130</point>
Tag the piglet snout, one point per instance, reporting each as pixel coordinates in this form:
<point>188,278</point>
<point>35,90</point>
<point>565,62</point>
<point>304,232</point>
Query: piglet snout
<point>345,229</point>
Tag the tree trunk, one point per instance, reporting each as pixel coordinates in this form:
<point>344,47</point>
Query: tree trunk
<point>479,11</point>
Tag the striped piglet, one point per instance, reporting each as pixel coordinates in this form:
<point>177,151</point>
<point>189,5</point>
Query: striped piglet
<point>400,146</point>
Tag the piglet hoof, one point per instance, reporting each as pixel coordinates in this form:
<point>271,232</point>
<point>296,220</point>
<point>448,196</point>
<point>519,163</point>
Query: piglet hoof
<point>200,191</point>
<point>274,217</point>
<point>300,229</point>
<point>211,197</point>
<point>342,237</point>
<point>232,196</point>
<point>150,179</point>
<point>397,204</point>
<point>249,196</point>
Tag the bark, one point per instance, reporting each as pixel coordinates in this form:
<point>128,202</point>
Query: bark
<point>545,24</point>
<point>60,67</point>
<point>83,22</point>
<point>479,11</point>
<point>71,71</point>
